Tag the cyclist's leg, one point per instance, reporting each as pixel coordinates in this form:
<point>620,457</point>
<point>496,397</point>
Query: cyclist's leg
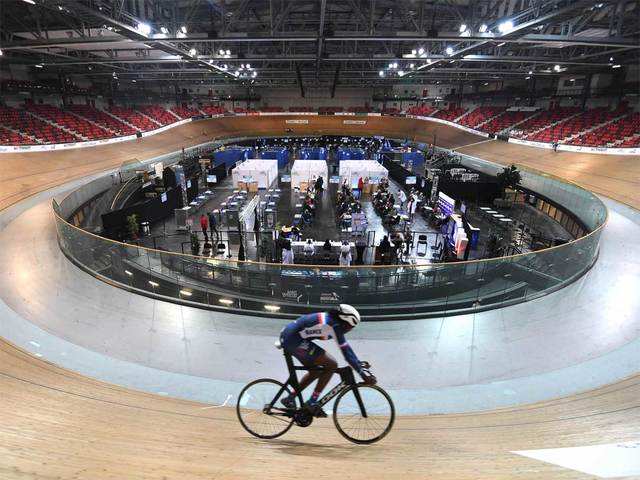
<point>329,363</point>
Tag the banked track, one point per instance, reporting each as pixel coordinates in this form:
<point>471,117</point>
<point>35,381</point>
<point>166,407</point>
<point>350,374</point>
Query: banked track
<point>57,424</point>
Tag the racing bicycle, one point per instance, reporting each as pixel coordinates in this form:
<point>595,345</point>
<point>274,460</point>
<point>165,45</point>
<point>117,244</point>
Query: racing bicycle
<point>362,413</point>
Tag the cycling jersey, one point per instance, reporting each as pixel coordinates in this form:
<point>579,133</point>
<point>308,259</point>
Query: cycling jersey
<point>296,338</point>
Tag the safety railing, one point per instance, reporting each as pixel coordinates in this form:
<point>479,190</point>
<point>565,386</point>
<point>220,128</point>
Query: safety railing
<point>380,291</point>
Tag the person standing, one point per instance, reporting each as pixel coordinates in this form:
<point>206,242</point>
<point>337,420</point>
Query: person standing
<point>213,225</point>
<point>360,187</point>
<point>204,225</point>
<point>402,197</point>
<point>345,254</point>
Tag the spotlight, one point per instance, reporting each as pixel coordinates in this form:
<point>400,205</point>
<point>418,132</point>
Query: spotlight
<point>221,52</point>
<point>192,52</point>
<point>556,68</point>
<point>449,51</point>
<point>144,29</point>
<point>463,28</point>
<point>413,52</point>
<point>381,73</point>
<point>420,51</point>
<point>611,59</point>
<point>505,26</point>
<point>411,65</point>
<point>483,28</point>
<point>400,73</point>
<point>228,52</point>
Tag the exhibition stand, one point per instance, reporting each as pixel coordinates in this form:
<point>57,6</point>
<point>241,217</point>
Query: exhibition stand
<point>255,174</point>
<point>353,170</point>
<point>279,154</point>
<point>307,171</point>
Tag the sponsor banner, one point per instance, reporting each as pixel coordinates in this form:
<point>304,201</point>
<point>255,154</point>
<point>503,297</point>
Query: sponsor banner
<point>275,114</point>
<point>374,114</point>
<point>354,122</point>
<point>297,121</point>
<point>529,143</point>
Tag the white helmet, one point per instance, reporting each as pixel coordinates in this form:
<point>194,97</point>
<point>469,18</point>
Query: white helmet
<point>348,314</point>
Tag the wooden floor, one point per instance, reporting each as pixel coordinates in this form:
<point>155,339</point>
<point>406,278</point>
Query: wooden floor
<point>58,424</point>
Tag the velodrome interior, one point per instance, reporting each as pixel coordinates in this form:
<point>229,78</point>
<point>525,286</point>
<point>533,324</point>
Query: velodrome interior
<point>49,411</point>
<point>506,345</point>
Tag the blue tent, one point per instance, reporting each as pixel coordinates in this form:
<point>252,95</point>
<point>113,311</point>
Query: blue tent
<point>280,154</point>
<point>347,153</point>
<point>313,153</point>
<point>231,156</point>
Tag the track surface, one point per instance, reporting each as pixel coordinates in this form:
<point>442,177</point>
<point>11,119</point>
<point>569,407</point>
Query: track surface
<point>58,424</point>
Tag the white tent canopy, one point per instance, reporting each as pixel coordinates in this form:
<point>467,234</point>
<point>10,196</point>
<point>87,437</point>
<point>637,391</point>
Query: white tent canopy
<point>353,170</point>
<point>308,171</point>
<point>263,171</point>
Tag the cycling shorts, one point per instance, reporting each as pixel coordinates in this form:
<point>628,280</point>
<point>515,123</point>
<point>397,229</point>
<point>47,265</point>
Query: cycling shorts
<point>306,351</point>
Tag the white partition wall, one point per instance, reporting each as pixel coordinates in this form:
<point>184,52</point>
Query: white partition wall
<point>352,170</point>
<point>263,171</point>
<point>308,171</point>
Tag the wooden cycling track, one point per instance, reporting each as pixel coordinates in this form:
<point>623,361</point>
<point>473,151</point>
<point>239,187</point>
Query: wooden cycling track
<point>55,423</point>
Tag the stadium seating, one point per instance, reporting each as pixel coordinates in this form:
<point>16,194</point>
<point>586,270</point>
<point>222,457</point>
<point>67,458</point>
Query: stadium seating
<point>9,137</point>
<point>421,110</point>
<point>184,112</point>
<point>25,123</point>
<point>71,122</point>
<point>129,115</point>
<point>213,110</point>
<point>479,116</point>
<point>159,114</point>
<point>544,119</point>
<point>118,127</point>
<point>271,109</point>
<point>332,109</point>
<point>506,120</point>
<point>302,109</point>
<point>574,125</point>
<point>360,109</point>
<point>624,132</point>
<point>450,114</point>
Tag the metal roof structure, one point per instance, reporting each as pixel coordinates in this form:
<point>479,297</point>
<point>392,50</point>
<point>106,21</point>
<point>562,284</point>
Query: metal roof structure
<point>319,43</point>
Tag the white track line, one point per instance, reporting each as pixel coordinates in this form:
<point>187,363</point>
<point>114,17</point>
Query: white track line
<point>476,143</point>
<point>218,406</point>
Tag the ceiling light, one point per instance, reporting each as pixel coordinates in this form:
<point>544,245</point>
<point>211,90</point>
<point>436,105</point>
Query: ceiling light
<point>611,59</point>
<point>153,284</point>
<point>530,72</point>
<point>249,66</point>
<point>164,30</point>
<point>390,66</point>
<point>483,28</point>
<point>1,52</point>
<point>31,2</point>
<point>39,65</point>
<point>192,52</point>
<point>506,26</point>
<point>556,68</point>
<point>225,301</point>
<point>616,66</point>
<point>413,52</point>
<point>411,65</point>
<point>183,29</point>
<point>449,51</point>
<point>381,73</point>
<point>420,51</point>
<point>134,80</point>
<point>272,308</point>
<point>400,73</point>
<point>254,74</point>
<point>221,52</point>
<point>463,27</point>
<point>228,52</point>
<point>180,34</point>
<point>186,293</point>
<point>144,29</point>
<point>128,273</point>
<point>224,67</point>
<point>527,78</point>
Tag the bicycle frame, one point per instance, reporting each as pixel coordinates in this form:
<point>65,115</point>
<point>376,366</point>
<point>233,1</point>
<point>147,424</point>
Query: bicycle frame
<point>347,380</point>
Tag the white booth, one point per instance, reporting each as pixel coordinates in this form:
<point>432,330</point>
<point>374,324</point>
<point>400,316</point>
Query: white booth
<point>353,170</point>
<point>261,171</point>
<point>307,171</point>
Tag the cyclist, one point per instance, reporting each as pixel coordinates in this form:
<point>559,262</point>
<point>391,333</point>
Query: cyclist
<point>296,339</point>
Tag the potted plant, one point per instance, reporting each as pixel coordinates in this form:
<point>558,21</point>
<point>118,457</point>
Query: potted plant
<point>509,178</point>
<point>133,228</point>
<point>195,244</point>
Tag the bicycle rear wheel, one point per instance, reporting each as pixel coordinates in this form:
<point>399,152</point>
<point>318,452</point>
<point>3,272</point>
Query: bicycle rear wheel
<point>364,413</point>
<point>252,402</point>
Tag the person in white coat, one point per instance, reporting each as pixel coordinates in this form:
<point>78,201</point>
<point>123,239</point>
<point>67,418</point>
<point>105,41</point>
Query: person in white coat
<point>402,197</point>
<point>345,255</point>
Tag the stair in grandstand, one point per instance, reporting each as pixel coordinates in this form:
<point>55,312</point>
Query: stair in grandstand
<point>594,127</point>
<point>104,127</point>
<point>149,118</point>
<point>534,132</point>
<point>122,120</point>
<point>57,125</point>
<point>24,134</point>
<point>635,136</point>
<point>456,120</point>
<point>526,119</point>
<point>479,126</point>
<point>176,116</point>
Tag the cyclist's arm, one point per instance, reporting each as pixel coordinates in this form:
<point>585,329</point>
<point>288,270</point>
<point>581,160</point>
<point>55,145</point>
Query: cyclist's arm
<point>348,353</point>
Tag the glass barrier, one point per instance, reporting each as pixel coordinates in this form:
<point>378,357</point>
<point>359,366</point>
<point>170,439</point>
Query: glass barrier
<point>379,291</point>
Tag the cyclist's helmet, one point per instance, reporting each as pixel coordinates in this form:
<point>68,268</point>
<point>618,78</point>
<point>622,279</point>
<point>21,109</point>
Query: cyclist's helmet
<point>348,314</point>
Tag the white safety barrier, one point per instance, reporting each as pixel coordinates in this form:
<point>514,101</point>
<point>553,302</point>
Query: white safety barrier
<point>576,148</point>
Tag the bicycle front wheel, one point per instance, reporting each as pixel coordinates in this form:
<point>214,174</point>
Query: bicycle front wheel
<point>254,411</point>
<point>364,413</point>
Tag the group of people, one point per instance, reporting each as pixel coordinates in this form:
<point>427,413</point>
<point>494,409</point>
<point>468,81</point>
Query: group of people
<point>384,203</point>
<point>309,250</point>
<point>209,224</point>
